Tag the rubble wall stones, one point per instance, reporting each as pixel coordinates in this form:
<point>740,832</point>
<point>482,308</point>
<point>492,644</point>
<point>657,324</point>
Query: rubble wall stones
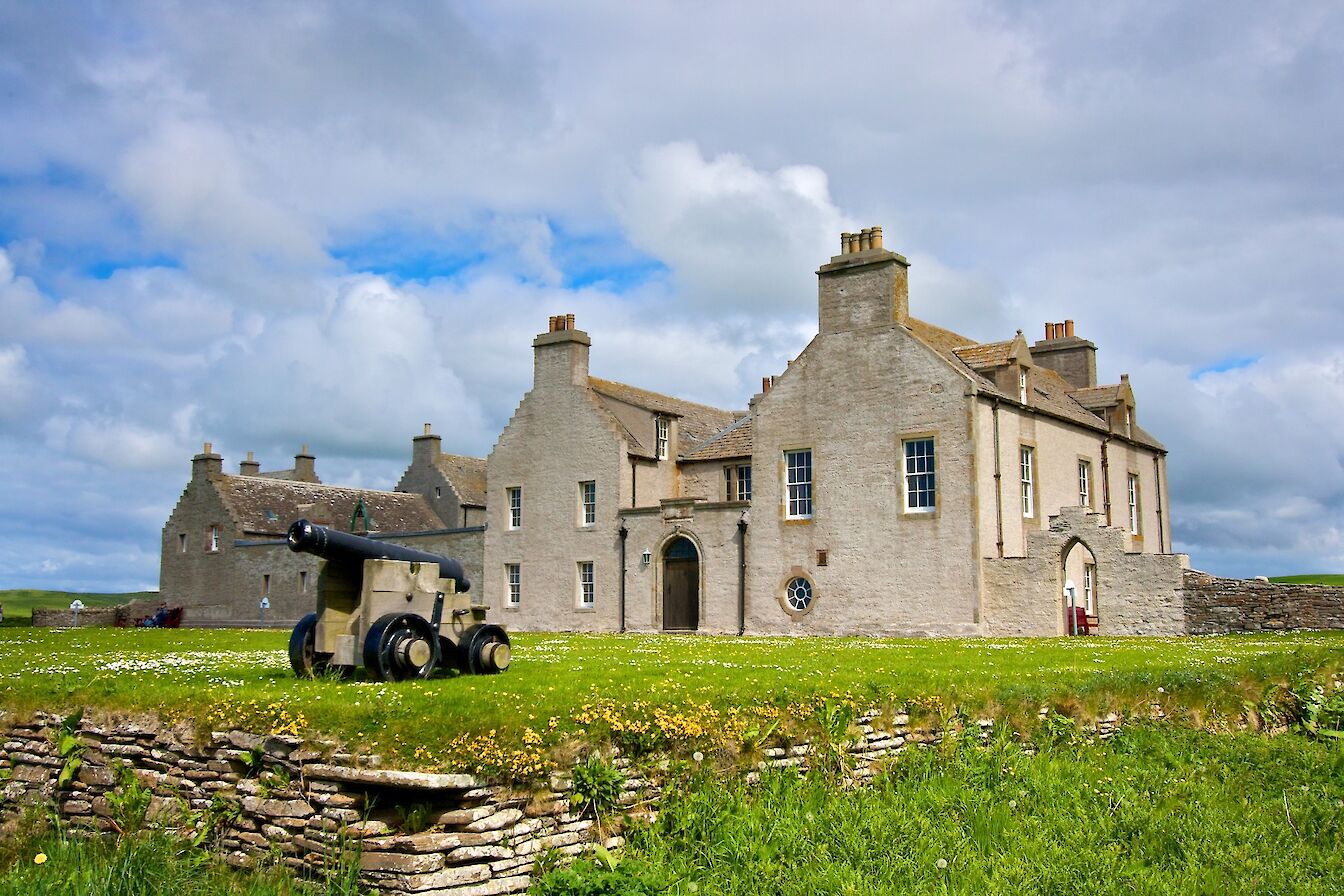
<point>310,809</point>
<point>1216,605</point>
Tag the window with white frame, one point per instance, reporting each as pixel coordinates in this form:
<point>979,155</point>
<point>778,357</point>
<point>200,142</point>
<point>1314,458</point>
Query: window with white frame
<point>1028,481</point>
<point>737,482</point>
<point>798,481</point>
<point>921,487</point>
<point>513,577</point>
<point>587,503</point>
<point>1129,420</point>
<point>662,431</point>
<point>586,593</point>
<point>1090,588</point>
<point>1085,483</point>
<point>1133,504</point>
<point>1022,386</point>
<point>515,507</point>
<point>214,539</point>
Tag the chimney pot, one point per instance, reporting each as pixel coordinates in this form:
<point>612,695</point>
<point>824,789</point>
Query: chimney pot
<point>765,384</point>
<point>1049,331</point>
<point>569,321</point>
<point>844,242</point>
<point>877,238</point>
<point>1068,328</point>
<point>1124,377</point>
<point>207,448</point>
<point>865,239</point>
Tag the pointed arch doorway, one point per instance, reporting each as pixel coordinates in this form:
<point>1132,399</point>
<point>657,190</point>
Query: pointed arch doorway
<point>681,586</point>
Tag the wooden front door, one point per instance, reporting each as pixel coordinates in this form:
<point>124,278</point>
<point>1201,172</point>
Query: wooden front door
<point>681,587</point>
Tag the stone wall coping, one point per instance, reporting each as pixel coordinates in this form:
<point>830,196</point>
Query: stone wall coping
<point>391,778</point>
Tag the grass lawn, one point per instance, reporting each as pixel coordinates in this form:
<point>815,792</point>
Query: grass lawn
<point>1311,579</point>
<point>1159,809</point>
<point>19,602</point>
<point>639,691</point>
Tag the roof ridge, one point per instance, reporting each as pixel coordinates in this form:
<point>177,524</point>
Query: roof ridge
<point>598,382</point>
<point>721,434</point>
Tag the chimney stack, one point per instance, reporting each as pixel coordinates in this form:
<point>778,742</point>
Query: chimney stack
<point>207,463</point>
<point>560,355</point>
<point>305,466</point>
<point>426,448</point>
<point>249,467</point>
<point>865,285</point>
<point>1066,354</point>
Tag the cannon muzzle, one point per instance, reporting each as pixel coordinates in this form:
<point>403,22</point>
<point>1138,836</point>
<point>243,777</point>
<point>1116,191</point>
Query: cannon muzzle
<point>342,547</point>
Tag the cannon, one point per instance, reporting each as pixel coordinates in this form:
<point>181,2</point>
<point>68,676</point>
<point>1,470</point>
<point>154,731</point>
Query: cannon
<point>399,612</point>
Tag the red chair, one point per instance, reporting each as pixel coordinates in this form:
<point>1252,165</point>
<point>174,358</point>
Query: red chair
<point>1080,625</point>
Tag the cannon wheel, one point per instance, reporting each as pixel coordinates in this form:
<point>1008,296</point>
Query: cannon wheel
<point>303,655</point>
<point>486,650</point>
<point>400,646</point>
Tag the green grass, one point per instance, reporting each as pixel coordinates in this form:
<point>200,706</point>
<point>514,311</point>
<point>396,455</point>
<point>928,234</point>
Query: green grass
<point>639,691</point>
<point>144,864</point>
<point>1157,810</point>
<point>1312,579</point>
<point>19,602</point>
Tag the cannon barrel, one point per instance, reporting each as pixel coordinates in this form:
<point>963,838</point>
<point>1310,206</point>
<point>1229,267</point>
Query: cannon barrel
<point>321,541</point>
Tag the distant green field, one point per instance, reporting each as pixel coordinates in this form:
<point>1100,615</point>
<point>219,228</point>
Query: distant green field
<point>1310,579</point>
<point>19,602</point>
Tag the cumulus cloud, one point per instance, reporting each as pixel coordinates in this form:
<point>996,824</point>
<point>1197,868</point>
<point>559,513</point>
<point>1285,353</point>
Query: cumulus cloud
<point>734,236</point>
<point>268,225</point>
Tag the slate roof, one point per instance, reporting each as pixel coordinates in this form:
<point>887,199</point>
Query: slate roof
<point>1051,392</point>
<point>467,474</point>
<point>697,423</point>
<point>986,354</point>
<point>735,441</point>
<point>1098,396</point>
<point>267,507</point>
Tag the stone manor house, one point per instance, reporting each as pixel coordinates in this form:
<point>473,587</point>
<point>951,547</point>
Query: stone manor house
<point>895,479</point>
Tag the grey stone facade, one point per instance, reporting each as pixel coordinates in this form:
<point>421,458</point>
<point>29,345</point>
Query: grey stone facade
<point>223,547</point>
<point>676,542</point>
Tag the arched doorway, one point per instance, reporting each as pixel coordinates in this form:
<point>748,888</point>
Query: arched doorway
<point>1080,610</point>
<point>681,586</point>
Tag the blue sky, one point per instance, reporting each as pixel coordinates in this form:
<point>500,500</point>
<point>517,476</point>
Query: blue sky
<point>264,226</point>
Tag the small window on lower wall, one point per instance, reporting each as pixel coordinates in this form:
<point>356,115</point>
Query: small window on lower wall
<point>586,585</point>
<point>513,576</point>
<point>797,593</point>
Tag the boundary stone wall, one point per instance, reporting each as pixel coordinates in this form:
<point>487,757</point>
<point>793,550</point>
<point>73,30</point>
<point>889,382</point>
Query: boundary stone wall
<point>304,807</point>
<point>1215,605</point>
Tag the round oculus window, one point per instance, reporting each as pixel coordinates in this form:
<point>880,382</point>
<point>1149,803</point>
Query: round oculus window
<point>798,593</point>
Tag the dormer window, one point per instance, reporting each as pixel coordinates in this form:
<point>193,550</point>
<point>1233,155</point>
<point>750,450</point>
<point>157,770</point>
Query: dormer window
<point>1022,386</point>
<point>1129,419</point>
<point>661,427</point>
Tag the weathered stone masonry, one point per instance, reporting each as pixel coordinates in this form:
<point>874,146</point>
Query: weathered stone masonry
<point>1215,605</point>
<point>306,808</point>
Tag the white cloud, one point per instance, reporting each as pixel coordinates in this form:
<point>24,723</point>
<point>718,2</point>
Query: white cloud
<point>1034,162</point>
<point>735,237</point>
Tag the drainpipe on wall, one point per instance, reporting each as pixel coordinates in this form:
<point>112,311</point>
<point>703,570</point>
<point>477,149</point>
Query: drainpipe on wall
<point>742,574</point>
<point>998,483</point>
<point>1106,480</point>
<point>620,604</point>
<point>1157,479</point>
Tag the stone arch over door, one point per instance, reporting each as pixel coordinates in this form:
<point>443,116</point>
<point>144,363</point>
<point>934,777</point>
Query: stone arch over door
<point>1078,568</point>
<point>679,557</point>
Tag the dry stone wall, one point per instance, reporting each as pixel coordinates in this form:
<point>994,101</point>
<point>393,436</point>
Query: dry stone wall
<point>289,803</point>
<point>1216,605</point>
